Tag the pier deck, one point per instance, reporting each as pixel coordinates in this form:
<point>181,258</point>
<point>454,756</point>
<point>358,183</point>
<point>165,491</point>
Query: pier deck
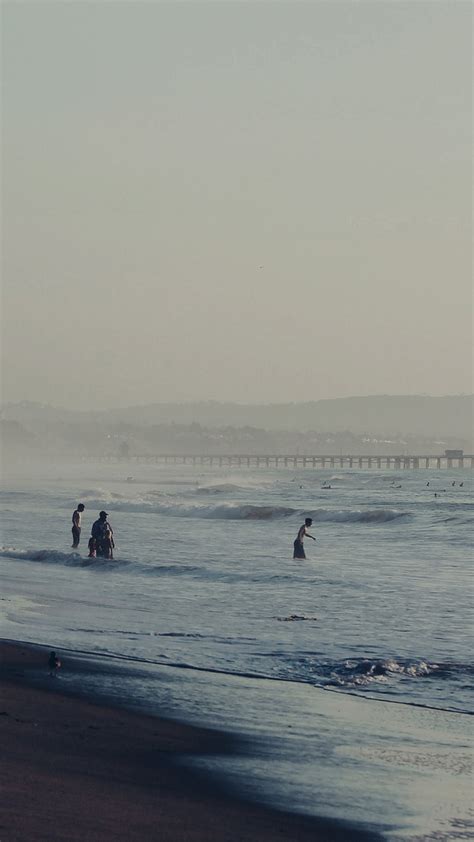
<point>300,461</point>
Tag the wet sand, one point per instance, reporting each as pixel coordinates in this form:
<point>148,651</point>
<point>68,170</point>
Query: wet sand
<point>76,769</point>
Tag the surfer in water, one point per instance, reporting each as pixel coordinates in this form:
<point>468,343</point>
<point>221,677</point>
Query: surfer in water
<point>298,544</point>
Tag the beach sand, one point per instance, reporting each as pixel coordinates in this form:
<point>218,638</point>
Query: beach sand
<point>74,769</point>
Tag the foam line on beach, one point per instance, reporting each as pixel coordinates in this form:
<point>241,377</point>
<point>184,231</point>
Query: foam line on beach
<point>248,674</point>
<point>124,771</point>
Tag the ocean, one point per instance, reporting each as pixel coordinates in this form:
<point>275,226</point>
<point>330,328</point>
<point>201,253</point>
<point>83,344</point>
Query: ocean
<point>349,674</point>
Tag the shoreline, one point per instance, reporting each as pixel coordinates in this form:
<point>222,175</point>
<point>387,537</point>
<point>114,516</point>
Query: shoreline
<point>79,768</point>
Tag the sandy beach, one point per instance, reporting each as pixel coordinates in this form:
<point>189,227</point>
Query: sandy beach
<point>78,770</point>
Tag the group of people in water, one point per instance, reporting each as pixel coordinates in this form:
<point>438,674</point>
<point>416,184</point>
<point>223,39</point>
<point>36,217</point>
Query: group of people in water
<point>101,542</point>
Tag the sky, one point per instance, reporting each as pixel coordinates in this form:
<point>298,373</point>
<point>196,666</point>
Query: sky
<point>246,201</point>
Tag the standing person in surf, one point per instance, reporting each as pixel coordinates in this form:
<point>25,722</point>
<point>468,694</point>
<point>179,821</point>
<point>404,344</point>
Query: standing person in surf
<point>103,536</point>
<point>76,525</point>
<point>298,551</point>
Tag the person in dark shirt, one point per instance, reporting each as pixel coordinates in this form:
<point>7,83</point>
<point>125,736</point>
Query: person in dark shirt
<point>103,535</point>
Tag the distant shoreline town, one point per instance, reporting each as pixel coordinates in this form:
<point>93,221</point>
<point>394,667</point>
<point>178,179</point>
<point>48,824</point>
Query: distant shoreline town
<point>371,426</point>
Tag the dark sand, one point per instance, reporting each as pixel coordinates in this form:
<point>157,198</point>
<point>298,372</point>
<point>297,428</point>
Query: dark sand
<point>73,769</point>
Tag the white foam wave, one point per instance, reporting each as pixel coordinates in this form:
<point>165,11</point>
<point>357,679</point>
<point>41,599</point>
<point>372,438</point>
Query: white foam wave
<point>91,495</point>
<point>357,515</point>
<point>229,511</point>
<point>355,673</point>
<point>51,556</point>
<point>157,503</point>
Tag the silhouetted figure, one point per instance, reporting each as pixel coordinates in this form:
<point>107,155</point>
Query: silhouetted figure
<point>103,535</point>
<point>76,525</point>
<point>298,551</point>
<point>54,664</point>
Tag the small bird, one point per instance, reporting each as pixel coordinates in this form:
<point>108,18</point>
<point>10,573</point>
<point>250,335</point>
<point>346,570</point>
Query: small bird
<point>54,664</point>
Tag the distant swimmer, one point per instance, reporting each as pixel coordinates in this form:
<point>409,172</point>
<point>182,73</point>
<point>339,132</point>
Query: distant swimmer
<point>427,484</point>
<point>453,483</point>
<point>102,538</point>
<point>298,543</point>
<point>76,525</point>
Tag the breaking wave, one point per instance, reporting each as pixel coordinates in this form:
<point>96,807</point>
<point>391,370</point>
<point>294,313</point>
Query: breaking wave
<point>390,676</point>
<point>224,488</point>
<point>364,671</point>
<point>357,515</point>
<point>52,556</point>
<point>49,556</point>
<point>229,511</point>
<point>149,504</point>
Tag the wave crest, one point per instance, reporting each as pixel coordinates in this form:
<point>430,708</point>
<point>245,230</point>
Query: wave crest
<point>357,515</point>
<point>229,511</point>
<point>48,556</point>
<point>361,672</point>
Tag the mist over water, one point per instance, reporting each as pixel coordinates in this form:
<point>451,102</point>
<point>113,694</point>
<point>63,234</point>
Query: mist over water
<point>253,202</point>
<point>222,220</point>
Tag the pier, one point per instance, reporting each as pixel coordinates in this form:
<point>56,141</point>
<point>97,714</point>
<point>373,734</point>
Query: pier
<point>301,461</point>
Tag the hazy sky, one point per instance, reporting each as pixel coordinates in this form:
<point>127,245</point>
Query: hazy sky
<point>251,201</point>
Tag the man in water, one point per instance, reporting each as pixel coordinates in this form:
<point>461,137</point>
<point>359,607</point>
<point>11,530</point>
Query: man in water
<point>103,535</point>
<point>298,544</point>
<point>76,525</point>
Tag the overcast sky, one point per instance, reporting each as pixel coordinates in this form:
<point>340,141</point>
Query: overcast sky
<point>250,201</point>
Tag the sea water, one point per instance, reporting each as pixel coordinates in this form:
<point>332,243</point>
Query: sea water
<point>350,672</point>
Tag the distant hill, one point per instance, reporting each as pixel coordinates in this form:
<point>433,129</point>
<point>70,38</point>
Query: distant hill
<point>390,416</point>
<point>374,415</point>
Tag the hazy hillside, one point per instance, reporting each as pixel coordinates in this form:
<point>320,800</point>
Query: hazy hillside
<point>379,415</point>
<point>379,424</point>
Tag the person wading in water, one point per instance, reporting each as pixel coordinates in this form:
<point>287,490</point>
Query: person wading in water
<point>302,533</point>
<point>76,525</point>
<point>103,537</point>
